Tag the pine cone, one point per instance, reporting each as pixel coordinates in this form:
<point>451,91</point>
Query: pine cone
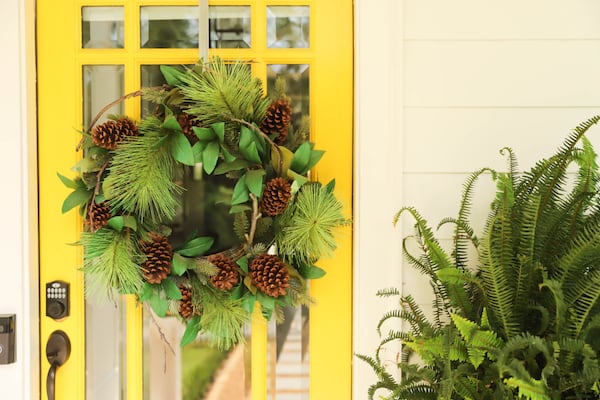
<point>187,123</point>
<point>107,135</point>
<point>270,275</point>
<point>127,127</point>
<point>228,276</point>
<point>277,120</point>
<point>98,215</point>
<point>159,255</point>
<point>186,307</point>
<point>110,133</point>
<point>276,196</point>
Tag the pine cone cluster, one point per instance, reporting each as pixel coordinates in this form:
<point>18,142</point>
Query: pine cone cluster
<point>98,215</point>
<point>187,123</point>
<point>110,133</point>
<point>269,273</point>
<point>276,195</point>
<point>228,276</point>
<point>186,307</point>
<point>159,255</point>
<point>277,120</point>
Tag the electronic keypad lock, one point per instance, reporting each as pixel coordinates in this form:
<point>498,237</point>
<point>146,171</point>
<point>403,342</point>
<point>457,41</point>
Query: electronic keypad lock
<point>7,338</point>
<point>57,299</point>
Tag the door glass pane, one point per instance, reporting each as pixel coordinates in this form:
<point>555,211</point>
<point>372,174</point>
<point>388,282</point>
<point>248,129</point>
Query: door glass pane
<point>104,318</point>
<point>288,358</point>
<point>196,371</point>
<point>296,77</point>
<point>288,26</point>
<point>169,27</point>
<point>229,27</point>
<point>102,27</point>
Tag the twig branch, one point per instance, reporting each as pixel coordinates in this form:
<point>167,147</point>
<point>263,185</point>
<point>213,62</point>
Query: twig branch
<point>113,103</point>
<point>267,138</point>
<point>163,337</point>
<point>255,217</point>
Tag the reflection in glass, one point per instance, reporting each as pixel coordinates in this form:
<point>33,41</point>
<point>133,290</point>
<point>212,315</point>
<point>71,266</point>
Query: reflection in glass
<point>105,344</point>
<point>288,357</point>
<point>229,27</point>
<point>169,27</point>
<point>102,27</point>
<point>296,77</point>
<point>288,26</point>
<point>194,372</point>
<point>102,84</point>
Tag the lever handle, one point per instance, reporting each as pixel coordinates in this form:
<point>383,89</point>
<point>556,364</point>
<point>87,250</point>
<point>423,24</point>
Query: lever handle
<point>58,349</point>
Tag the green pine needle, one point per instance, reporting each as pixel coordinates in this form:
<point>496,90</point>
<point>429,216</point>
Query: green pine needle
<point>110,262</point>
<point>141,179</point>
<point>309,224</point>
<point>225,91</point>
<point>222,317</point>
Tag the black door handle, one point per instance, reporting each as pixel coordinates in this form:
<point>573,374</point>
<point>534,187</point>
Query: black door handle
<point>58,349</point>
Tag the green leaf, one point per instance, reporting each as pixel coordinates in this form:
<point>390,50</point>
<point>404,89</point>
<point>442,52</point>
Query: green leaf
<point>314,158</point>
<point>146,292</point>
<point>330,187</point>
<point>197,149</point>
<point>119,222</point>
<point>171,123</point>
<point>191,331</point>
<point>204,134</point>
<point>301,158</point>
<point>248,145</point>
<point>239,208</point>
<point>227,156</point>
<point>70,183</point>
<point>76,198</point>
<point>219,129</point>
<point>300,179</point>
<point>240,192</point>
<point>171,289</point>
<point>285,159</point>
<point>159,305</point>
<point>248,302</point>
<point>172,75</point>
<point>254,181</point>
<point>86,164</point>
<point>181,264</point>
<point>196,247</point>
<point>267,304</point>
<point>181,149</point>
<point>238,292</point>
<point>210,156</point>
<point>234,165</point>
<point>311,271</point>
<point>243,263</point>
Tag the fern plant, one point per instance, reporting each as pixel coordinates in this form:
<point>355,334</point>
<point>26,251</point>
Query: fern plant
<point>518,317</point>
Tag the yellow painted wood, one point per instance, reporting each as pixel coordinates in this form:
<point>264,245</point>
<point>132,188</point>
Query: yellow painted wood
<point>60,59</point>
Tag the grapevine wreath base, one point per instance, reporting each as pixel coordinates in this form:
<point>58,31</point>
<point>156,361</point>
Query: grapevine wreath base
<point>215,143</point>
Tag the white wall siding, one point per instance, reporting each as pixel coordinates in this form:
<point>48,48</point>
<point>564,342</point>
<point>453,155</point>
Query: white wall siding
<point>474,76</point>
<point>18,286</point>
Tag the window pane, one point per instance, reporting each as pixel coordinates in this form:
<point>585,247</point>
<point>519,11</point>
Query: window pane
<point>102,27</point>
<point>296,77</point>
<point>288,26</point>
<point>102,84</point>
<point>169,27</point>
<point>105,344</point>
<point>229,27</point>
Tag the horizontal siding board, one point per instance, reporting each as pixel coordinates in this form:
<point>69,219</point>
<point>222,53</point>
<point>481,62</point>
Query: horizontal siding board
<point>462,140</point>
<point>502,74</point>
<point>507,19</point>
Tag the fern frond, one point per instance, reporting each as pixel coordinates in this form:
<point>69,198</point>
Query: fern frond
<point>388,292</point>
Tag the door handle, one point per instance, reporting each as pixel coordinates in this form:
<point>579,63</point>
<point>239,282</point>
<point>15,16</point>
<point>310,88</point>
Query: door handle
<point>58,349</point>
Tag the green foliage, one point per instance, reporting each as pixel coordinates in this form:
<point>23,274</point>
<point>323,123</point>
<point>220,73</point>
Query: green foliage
<point>187,183</point>
<point>515,322</point>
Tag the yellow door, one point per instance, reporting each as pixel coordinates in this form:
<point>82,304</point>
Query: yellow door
<point>90,52</point>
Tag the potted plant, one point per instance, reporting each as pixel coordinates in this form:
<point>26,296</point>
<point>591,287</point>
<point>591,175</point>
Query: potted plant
<point>518,317</point>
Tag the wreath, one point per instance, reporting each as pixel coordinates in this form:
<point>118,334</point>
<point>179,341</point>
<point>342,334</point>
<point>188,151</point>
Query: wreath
<point>216,144</point>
